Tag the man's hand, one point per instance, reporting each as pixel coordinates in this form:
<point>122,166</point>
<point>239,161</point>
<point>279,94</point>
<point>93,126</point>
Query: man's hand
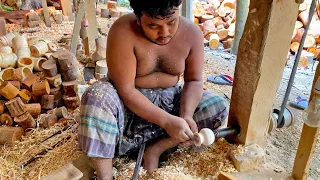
<point>178,129</point>
<point>194,128</point>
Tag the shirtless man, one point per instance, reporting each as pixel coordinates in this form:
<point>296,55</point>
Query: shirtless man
<point>141,101</point>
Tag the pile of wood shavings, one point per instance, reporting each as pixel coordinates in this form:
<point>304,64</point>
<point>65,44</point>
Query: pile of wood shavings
<point>11,158</point>
<point>187,164</point>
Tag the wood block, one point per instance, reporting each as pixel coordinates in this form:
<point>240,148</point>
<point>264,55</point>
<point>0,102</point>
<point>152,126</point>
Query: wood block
<point>8,90</point>
<point>25,121</point>
<point>70,88</point>
<point>2,106</point>
<point>6,119</point>
<point>54,81</point>
<point>16,107</point>
<point>252,157</point>
<point>47,102</point>
<point>34,109</point>
<point>49,68</point>
<point>40,88</point>
<point>8,135</point>
<point>48,121</point>
<point>3,30</point>
<point>71,102</point>
<point>29,81</point>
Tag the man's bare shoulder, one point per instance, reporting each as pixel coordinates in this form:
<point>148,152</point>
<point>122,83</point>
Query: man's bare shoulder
<point>192,30</point>
<point>125,24</point>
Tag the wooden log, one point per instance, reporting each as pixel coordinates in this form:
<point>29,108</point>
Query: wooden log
<point>214,41</point>
<point>309,42</point>
<point>50,68</point>
<point>25,121</point>
<point>66,59</point>
<point>101,67</point>
<point>298,25</point>
<point>2,106</point>
<point>33,24</point>
<point>71,102</point>
<point>35,99</point>
<point>71,74</point>
<point>29,81</point>
<point>70,88</point>
<point>34,109</point>
<point>205,18</point>
<point>16,107</point>
<point>46,13</point>
<point>40,88</point>
<point>112,4</point>
<point>8,90</point>
<point>52,47</point>
<point>9,135</point>
<point>223,34</point>
<point>16,84</point>
<point>314,51</point>
<point>294,47</point>
<point>227,43</point>
<point>6,119</point>
<point>60,112</point>
<point>47,102</point>
<point>297,35</point>
<point>48,121</point>
<point>56,92</point>
<point>24,97</point>
<point>54,81</point>
<point>63,121</point>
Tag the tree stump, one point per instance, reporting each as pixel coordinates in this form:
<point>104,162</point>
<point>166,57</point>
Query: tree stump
<point>71,102</point>
<point>47,102</point>
<point>34,109</point>
<point>40,88</point>
<point>49,68</point>
<point>48,121</point>
<point>16,107</point>
<point>25,121</point>
<point>60,112</point>
<point>9,135</point>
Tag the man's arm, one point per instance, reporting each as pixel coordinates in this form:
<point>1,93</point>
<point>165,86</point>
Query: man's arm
<point>122,69</point>
<point>193,86</point>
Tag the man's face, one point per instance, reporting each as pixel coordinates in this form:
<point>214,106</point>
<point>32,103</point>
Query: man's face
<point>159,30</point>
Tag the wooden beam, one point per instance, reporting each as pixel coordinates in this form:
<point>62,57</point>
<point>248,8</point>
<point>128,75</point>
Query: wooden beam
<point>187,9</point>
<point>92,19</point>
<point>77,26</point>
<point>66,7</point>
<point>46,13</point>
<point>3,29</point>
<point>259,67</point>
<point>307,144</point>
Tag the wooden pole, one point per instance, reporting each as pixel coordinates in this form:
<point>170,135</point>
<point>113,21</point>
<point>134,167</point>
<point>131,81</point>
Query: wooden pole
<point>66,7</point>
<point>260,63</point>
<point>307,144</point>
<point>3,29</point>
<point>92,30</point>
<point>46,13</point>
<point>77,26</point>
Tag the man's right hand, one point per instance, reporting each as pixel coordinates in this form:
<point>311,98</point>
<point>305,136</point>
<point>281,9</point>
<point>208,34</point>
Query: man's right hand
<point>178,129</point>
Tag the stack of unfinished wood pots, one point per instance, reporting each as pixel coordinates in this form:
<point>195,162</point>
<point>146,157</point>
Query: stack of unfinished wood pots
<point>25,93</point>
<point>33,18</point>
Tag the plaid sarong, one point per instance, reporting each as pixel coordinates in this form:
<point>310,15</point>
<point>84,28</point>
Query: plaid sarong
<point>107,128</point>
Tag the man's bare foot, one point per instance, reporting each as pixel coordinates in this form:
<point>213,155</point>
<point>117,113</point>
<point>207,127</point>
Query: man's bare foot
<point>151,159</point>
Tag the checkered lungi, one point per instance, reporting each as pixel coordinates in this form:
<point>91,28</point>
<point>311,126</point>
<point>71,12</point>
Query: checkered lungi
<point>107,128</point>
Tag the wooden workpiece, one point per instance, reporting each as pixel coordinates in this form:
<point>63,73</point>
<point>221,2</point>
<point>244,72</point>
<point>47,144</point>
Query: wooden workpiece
<point>71,102</point>
<point>3,29</point>
<point>47,102</point>
<point>16,84</point>
<point>66,59</point>
<point>37,65</point>
<point>56,92</point>
<point>25,121</point>
<point>2,106</point>
<point>38,49</point>
<point>6,119</point>
<point>259,57</point>
<point>71,74</point>
<point>8,90</point>
<point>16,107</point>
<point>24,97</point>
<point>70,88</point>
<point>9,135</point>
<point>48,121</point>
<point>307,144</point>
<point>29,81</point>
<point>50,68</point>
<point>34,109</point>
<point>54,81</point>
<point>40,88</point>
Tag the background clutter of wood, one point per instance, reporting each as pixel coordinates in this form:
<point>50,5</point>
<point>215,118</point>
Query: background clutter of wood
<point>311,46</point>
<point>216,19</point>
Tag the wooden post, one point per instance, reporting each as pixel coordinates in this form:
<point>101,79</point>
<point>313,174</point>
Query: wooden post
<point>3,29</point>
<point>92,19</point>
<point>307,144</point>
<point>46,13</point>
<point>260,62</point>
<point>187,9</point>
<point>66,7</point>
<point>77,26</point>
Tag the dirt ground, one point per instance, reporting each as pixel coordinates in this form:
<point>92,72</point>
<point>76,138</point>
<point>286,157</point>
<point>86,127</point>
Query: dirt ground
<point>281,144</point>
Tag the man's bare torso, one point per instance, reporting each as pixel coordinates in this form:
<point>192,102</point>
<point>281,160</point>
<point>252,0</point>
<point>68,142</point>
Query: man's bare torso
<point>157,65</point>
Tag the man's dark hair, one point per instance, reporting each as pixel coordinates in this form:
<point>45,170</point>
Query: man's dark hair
<point>154,8</point>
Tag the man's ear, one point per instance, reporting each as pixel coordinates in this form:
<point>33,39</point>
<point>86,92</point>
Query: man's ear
<point>138,21</point>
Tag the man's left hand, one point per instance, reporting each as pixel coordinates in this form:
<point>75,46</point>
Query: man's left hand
<point>194,128</point>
